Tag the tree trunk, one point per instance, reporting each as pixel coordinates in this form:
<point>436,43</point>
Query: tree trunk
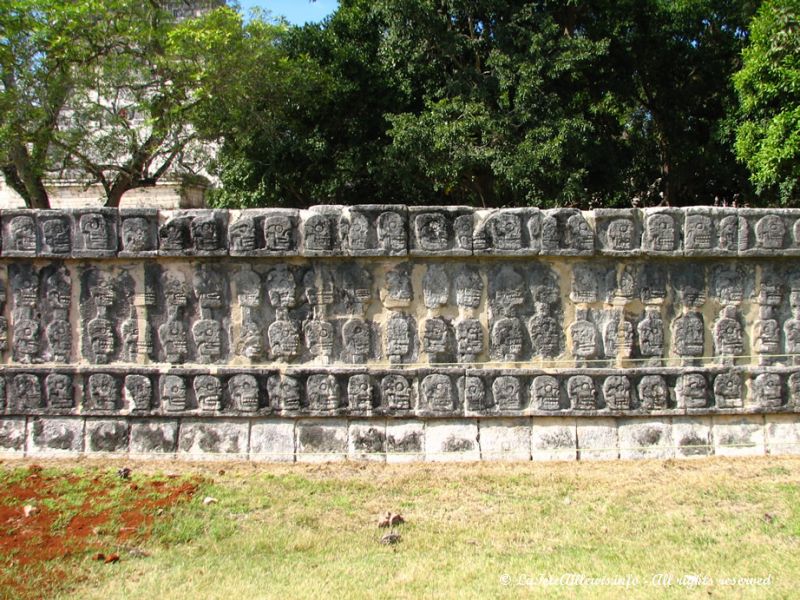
<point>25,178</point>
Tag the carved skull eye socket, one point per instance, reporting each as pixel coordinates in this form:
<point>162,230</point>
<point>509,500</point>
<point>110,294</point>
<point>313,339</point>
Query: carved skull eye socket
<point>548,389</point>
<point>399,387</point>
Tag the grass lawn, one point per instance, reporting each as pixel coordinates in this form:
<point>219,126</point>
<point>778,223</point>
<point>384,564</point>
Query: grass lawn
<point>472,530</point>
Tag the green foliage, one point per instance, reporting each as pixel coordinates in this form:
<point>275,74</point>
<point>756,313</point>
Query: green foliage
<point>104,91</point>
<point>502,102</point>
<point>768,138</point>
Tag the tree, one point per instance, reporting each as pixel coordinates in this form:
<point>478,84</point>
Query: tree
<point>103,92</point>
<point>503,102</point>
<point>768,84</point>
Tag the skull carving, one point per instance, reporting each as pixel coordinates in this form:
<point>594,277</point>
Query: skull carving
<point>359,392</point>
<point>620,234</point>
<point>506,339</point>
<point>278,233</point>
<point>545,392</point>
<point>475,393</point>
<point>206,234</point>
<point>56,235</point>
<point>95,232</point>
<point>661,233</point>
<point>653,392</point>
<point>23,234</point>
<point>617,392</point>
<point>396,392</point>
<point>391,232</point>
<point>208,391</point>
<point>692,390</point>
<point>242,235</point>
<point>248,289</point>
<point>58,388</point>
<point>432,231</point>
<point>580,236</point>
<point>137,235</point>
<point>284,392</point>
<point>207,336</point>
<point>469,288</point>
<point>323,392</point>
<point>27,390</point>
<point>242,388</point>
<point>505,231</point>
<point>318,233</point>
<point>173,393</point>
<point>581,392</point>
<point>437,391</point>
<point>435,336</point>
<point>770,232</point>
<point>728,390</point>
<point>103,391</point>
<point>469,339</point>
<point>284,339</point>
<point>319,338</point>
<point>138,391</point>
<point>767,390</point>
<point>699,232</point>
<point>357,339</point>
<point>507,393</point>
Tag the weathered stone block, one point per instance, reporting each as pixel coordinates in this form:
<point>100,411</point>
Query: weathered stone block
<point>107,435</point>
<point>782,434</point>
<point>554,439</point>
<point>264,232</point>
<point>440,230</point>
<point>321,440</point>
<point>367,440</point>
<point>138,232</point>
<point>662,231</point>
<point>451,440</point>
<point>154,438</point>
<point>213,438</point>
<point>20,234</point>
<point>598,439</point>
<point>272,440</point>
<point>507,232</point>
<point>405,441</point>
<point>321,231</point>
<point>12,436</point>
<point>95,233</point>
<point>738,435</point>
<point>645,438</point>
<point>55,233</point>
<point>692,437</point>
<point>505,439</point>
<point>55,436</point>
<point>375,230</point>
<point>619,232</point>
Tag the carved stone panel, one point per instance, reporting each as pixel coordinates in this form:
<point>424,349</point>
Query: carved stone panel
<point>138,232</point>
<point>728,390</point>
<point>244,393</point>
<point>617,392</point>
<point>767,390</point>
<point>474,392</point>
<point>506,341</point>
<point>55,233</point>
<point>507,393</point>
<point>469,340</point>
<point>138,392</point>
<point>95,233</point>
<point>399,343</point>
<point>208,393</point>
<point>437,393</point>
<point>59,391</point>
<point>323,393</point>
<point>653,392</point>
<point>546,393</point>
<point>581,392</point>
<point>397,392</point>
<point>435,286</point>
<point>102,392</point>
<point>25,392</point>
<point>692,390</point>
<point>357,339</point>
<point>360,392</point>
<point>173,393</point>
<point>284,392</point>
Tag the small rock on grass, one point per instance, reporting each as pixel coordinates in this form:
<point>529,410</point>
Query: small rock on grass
<point>390,538</point>
<point>30,510</point>
<point>390,519</point>
<point>209,500</point>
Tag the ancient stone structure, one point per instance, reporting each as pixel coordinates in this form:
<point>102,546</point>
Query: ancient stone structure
<point>400,333</point>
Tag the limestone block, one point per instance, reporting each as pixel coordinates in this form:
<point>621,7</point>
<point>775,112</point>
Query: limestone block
<point>55,436</point>
<point>554,438</point>
<point>663,228</point>
<point>440,230</point>
<point>107,436</point>
<point>451,440</point>
<point>738,435</point>
<point>597,439</point>
<point>272,440</point>
<point>405,440</point>
<point>692,436</point>
<point>321,440</point>
<point>12,436</point>
<point>264,232</point>
<point>783,434</point>
<point>367,440</point>
<point>566,232</point>
<point>619,232</point>
<point>95,233</point>
<point>154,438</point>
<point>322,231</point>
<point>374,230</point>
<point>645,438</point>
<point>138,232</point>
<point>505,439</point>
<point>55,233</point>
<point>207,439</point>
<point>20,234</point>
<point>507,232</point>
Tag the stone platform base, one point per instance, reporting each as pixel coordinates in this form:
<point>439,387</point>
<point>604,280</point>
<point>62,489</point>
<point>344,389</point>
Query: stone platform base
<point>394,441</point>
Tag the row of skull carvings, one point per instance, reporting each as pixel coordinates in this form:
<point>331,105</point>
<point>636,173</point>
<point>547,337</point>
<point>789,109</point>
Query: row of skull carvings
<point>395,230</point>
<point>398,392</point>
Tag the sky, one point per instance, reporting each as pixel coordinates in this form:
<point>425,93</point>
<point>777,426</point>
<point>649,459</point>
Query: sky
<point>296,12</point>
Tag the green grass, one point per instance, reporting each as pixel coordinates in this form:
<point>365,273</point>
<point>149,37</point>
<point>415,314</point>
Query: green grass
<point>310,531</point>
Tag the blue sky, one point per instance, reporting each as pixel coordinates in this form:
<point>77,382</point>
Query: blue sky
<point>297,12</point>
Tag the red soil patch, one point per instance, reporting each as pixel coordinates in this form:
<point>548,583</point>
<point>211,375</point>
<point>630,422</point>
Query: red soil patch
<point>33,548</point>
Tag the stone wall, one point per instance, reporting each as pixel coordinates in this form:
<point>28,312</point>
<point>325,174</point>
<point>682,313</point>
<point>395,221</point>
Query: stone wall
<point>395,333</point>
